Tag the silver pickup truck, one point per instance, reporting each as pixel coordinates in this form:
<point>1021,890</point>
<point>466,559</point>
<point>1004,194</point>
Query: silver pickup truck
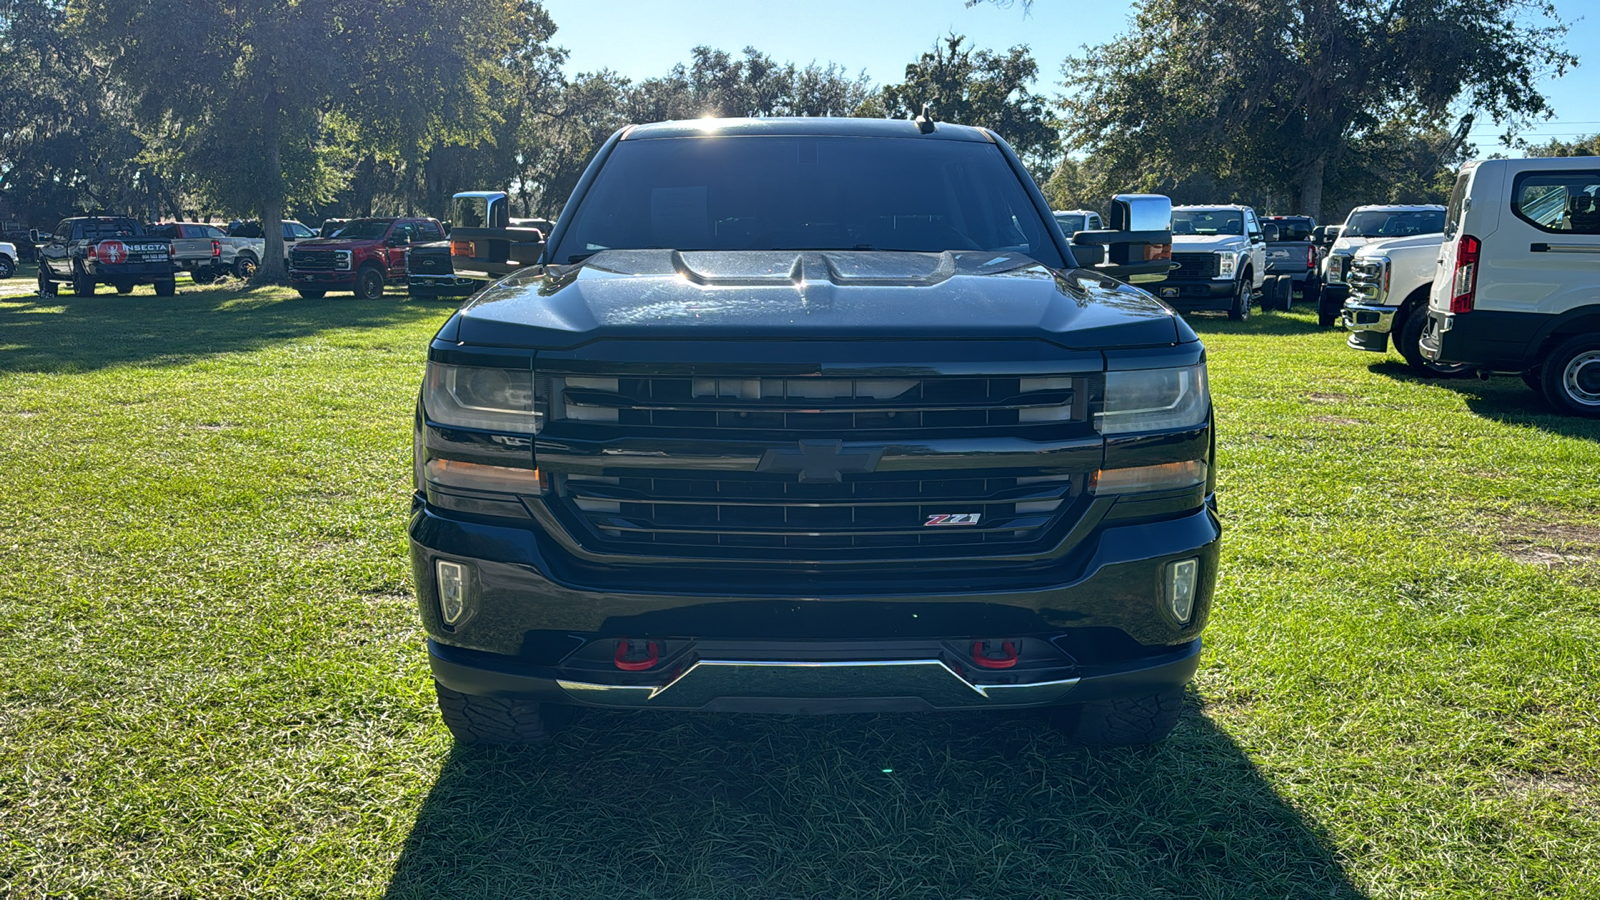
<point>207,254</point>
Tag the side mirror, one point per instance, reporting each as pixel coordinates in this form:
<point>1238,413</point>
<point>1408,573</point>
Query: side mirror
<point>1141,212</point>
<point>33,235</point>
<point>1271,231</point>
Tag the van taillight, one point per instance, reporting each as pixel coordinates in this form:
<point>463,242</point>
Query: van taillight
<point>1464,285</point>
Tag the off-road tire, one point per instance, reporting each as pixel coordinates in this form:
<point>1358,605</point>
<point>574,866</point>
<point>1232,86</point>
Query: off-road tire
<point>494,720</point>
<point>244,266</point>
<point>8,266</point>
<point>1405,340</point>
<point>166,288</point>
<point>1240,310</point>
<point>369,284</point>
<point>47,288</point>
<point>1124,720</point>
<point>82,284</point>
<point>1570,376</point>
<point>313,295</point>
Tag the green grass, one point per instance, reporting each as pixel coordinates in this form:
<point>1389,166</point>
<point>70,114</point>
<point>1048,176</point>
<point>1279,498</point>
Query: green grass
<point>213,684</point>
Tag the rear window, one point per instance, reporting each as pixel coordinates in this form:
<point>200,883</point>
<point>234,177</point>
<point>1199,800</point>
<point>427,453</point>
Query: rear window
<point>106,228</point>
<point>1297,229</point>
<point>1207,221</point>
<point>807,193</point>
<point>1558,202</point>
<point>1458,203</point>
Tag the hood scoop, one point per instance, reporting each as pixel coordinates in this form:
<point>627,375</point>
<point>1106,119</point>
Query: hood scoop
<point>783,268</point>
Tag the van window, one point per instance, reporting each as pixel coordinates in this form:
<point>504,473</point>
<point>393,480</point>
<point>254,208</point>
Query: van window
<point>1458,203</point>
<point>1558,202</point>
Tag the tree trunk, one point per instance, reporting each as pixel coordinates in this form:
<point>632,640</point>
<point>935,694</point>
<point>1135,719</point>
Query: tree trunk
<point>1311,188</point>
<point>272,269</point>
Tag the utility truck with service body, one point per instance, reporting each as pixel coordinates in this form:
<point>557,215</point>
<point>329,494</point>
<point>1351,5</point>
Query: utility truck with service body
<point>89,251</point>
<point>1220,252</point>
<point>1364,225</point>
<point>1517,288</point>
<point>815,415</point>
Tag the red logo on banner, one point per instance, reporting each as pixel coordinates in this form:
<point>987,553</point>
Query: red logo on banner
<point>112,252</point>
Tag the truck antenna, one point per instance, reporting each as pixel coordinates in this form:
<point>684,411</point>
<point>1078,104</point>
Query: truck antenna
<point>925,121</point>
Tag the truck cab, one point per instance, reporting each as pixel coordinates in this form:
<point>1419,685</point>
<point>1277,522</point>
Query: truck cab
<point>1221,255</point>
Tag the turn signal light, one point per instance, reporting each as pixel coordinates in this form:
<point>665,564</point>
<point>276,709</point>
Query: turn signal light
<point>1163,477</point>
<point>463,248</point>
<point>477,477</point>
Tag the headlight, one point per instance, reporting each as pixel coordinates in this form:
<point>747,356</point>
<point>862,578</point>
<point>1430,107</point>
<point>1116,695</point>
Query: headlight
<point>1226,263</point>
<point>1335,273</point>
<point>1154,400</point>
<point>479,397</point>
<point>341,259</point>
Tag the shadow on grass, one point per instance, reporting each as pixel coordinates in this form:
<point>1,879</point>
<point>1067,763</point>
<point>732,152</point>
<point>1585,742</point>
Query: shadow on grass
<point>961,805</point>
<point>1262,323</point>
<point>70,333</point>
<point>1504,398</point>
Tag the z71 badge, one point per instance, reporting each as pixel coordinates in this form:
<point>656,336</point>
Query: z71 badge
<point>953,519</point>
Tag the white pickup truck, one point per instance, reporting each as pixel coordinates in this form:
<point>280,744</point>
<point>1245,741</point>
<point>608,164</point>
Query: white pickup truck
<point>1365,225</point>
<point>207,253</point>
<point>1389,281</point>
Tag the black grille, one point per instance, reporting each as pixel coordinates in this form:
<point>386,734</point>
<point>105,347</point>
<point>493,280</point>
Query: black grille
<point>711,514</point>
<point>850,408</point>
<point>429,263</point>
<point>1194,265</point>
<point>312,260</point>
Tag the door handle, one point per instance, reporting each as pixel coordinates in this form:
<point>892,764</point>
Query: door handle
<point>1564,248</point>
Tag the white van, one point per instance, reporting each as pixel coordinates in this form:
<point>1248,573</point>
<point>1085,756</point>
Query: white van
<point>1517,288</point>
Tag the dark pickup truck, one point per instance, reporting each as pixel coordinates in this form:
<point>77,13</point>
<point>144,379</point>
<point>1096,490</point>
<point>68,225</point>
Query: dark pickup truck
<point>93,250</point>
<point>1293,261</point>
<point>773,426</point>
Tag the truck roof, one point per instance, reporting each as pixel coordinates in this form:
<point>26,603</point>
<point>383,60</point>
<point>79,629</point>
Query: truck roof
<point>1401,207</point>
<point>1212,206</point>
<point>801,127</point>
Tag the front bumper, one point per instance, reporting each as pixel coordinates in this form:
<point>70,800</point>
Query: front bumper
<point>440,283</point>
<point>1369,325</point>
<point>321,279</point>
<point>1197,294</point>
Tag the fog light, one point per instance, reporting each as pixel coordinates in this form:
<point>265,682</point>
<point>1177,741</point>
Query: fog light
<point>1182,577</point>
<point>452,591</point>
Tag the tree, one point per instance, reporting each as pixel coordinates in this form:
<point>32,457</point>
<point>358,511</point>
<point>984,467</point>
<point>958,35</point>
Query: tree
<point>981,88</point>
<point>258,94</point>
<point>1277,92</point>
<point>1583,146</point>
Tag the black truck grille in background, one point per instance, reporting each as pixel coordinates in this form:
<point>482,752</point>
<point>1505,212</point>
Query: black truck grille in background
<point>846,408</point>
<point>1194,265</point>
<point>313,260</point>
<point>754,515</point>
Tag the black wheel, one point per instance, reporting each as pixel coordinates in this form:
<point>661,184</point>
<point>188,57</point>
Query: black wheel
<point>166,288</point>
<point>1241,300</point>
<point>494,720</point>
<point>1328,305</point>
<point>313,295</point>
<point>1122,721</point>
<point>82,284</point>
<point>1311,293</point>
<point>124,287</point>
<point>1282,293</point>
<point>1405,340</point>
<point>47,288</point>
<point>369,284</point>
<point>204,276</point>
<point>7,266</point>
<point>244,266</point>
<point>1570,376</point>
<point>1530,377</point>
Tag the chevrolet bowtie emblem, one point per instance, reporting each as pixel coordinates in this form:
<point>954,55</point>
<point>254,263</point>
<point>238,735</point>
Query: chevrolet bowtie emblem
<point>821,461</point>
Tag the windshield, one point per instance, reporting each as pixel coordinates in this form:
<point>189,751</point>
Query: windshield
<point>362,231</point>
<point>1207,221</point>
<point>807,193</point>
<point>1394,224</point>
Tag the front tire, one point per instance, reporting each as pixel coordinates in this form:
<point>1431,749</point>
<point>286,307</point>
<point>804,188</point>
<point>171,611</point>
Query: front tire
<point>495,720</point>
<point>8,267</point>
<point>313,295</point>
<point>1407,342</point>
<point>1123,721</point>
<point>369,284</point>
<point>1570,376</point>
<point>1240,310</point>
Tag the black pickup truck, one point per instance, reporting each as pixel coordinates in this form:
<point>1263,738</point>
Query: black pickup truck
<point>815,415</point>
<point>1295,258</point>
<point>93,250</point>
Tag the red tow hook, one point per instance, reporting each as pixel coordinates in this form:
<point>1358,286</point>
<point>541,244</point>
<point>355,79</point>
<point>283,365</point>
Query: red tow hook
<point>982,655</point>
<point>635,656</point>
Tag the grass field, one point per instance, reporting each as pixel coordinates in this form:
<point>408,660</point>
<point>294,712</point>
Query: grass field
<point>213,684</point>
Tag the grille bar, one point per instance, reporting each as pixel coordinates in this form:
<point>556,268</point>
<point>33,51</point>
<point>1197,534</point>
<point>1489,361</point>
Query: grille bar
<point>588,491</point>
<point>1195,265</point>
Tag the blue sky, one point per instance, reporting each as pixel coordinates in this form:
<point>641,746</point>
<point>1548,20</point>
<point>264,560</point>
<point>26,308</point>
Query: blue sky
<point>643,39</point>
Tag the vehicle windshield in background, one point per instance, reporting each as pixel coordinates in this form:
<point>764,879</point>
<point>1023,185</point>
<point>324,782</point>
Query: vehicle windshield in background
<point>1071,225</point>
<point>1207,221</point>
<point>297,231</point>
<point>1293,229</point>
<point>1394,224</point>
<point>807,193</point>
<point>362,231</point>
<point>106,228</point>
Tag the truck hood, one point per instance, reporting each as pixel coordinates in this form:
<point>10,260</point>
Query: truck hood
<point>330,244</point>
<point>1199,243</point>
<point>666,294</point>
<point>1389,245</point>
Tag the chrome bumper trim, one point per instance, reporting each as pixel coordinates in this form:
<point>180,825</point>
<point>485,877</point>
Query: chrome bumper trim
<point>1368,317</point>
